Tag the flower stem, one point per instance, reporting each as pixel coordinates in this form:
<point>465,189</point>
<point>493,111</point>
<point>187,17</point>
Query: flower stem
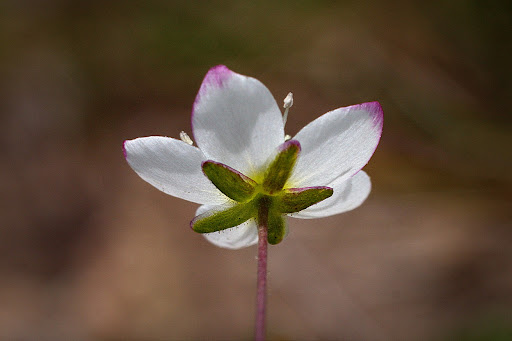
<point>261,295</point>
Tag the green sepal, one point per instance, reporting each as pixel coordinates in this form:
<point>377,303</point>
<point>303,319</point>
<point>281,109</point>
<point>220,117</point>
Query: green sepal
<point>232,183</point>
<point>296,199</point>
<point>276,227</point>
<point>279,170</point>
<point>213,221</point>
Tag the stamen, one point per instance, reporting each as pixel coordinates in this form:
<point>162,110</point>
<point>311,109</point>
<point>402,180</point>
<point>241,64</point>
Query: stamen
<point>288,102</point>
<point>185,138</point>
<point>287,137</point>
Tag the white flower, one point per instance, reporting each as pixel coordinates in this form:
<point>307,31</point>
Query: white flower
<point>239,132</point>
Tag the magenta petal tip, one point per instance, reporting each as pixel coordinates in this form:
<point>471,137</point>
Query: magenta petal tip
<point>378,117</point>
<point>216,76</point>
<point>376,110</point>
<point>124,150</point>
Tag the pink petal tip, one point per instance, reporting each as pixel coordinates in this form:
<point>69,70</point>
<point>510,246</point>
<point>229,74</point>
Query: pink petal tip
<point>124,150</point>
<point>215,77</point>
<point>376,110</point>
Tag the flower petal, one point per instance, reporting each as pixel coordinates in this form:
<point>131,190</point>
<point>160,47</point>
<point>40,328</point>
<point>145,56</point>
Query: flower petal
<point>172,166</point>
<point>236,121</point>
<point>337,144</point>
<point>348,194</point>
<point>237,237</point>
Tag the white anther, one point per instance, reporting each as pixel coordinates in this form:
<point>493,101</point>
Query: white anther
<point>287,137</point>
<point>288,101</point>
<point>185,138</point>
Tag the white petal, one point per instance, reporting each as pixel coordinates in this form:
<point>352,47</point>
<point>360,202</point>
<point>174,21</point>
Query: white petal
<point>237,237</point>
<point>348,194</point>
<point>337,144</point>
<point>236,121</point>
<point>172,166</point>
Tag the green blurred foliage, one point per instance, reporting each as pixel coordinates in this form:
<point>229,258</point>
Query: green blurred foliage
<point>489,329</point>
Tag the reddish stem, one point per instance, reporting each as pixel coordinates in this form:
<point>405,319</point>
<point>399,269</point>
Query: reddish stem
<point>261,296</point>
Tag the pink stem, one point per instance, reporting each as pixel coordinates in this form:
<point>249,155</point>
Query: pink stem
<point>261,296</point>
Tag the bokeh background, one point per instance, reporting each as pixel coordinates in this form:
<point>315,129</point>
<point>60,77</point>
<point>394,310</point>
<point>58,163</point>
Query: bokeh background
<point>89,251</point>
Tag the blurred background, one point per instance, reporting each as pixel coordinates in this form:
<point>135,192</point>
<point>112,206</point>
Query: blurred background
<point>89,251</point>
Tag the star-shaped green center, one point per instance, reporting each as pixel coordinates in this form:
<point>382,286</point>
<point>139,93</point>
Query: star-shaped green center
<point>252,199</point>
